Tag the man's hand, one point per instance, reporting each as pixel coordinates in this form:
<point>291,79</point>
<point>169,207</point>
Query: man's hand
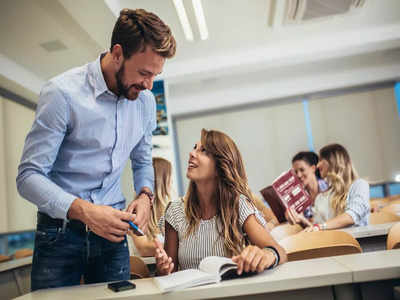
<point>142,209</point>
<point>103,220</point>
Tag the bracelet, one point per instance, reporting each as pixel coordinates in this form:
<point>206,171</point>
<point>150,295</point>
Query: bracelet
<point>276,254</point>
<point>317,226</point>
<point>150,195</point>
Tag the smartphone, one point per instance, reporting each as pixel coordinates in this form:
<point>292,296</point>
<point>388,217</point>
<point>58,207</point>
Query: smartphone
<point>136,230</point>
<point>120,286</point>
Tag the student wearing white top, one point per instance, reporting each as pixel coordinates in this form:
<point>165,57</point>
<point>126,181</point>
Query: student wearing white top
<point>145,245</point>
<point>346,202</point>
<point>217,215</point>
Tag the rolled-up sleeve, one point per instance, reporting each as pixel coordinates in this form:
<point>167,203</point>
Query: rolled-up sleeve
<point>141,158</point>
<point>40,151</point>
<point>357,205</point>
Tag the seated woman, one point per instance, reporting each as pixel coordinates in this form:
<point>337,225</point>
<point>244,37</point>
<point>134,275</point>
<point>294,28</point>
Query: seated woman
<point>305,166</point>
<point>266,212</point>
<point>346,202</point>
<point>145,245</point>
<point>217,215</point>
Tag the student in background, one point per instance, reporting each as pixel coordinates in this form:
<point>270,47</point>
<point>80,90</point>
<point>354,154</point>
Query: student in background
<point>267,212</point>
<point>217,215</point>
<point>346,202</point>
<point>145,245</point>
<point>305,166</point>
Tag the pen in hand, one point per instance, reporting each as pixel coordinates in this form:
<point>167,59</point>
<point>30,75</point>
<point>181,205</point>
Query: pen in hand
<point>136,230</point>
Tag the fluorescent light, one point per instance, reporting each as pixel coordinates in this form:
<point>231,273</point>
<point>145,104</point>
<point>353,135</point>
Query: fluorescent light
<point>180,9</point>
<point>201,21</point>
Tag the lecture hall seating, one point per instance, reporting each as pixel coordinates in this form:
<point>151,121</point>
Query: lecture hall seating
<point>307,245</point>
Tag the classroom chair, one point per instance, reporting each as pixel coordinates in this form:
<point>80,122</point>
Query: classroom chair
<point>138,268</point>
<point>382,217</point>
<point>393,238</point>
<point>307,245</point>
<point>4,258</point>
<point>23,253</point>
<point>282,231</point>
<point>393,208</point>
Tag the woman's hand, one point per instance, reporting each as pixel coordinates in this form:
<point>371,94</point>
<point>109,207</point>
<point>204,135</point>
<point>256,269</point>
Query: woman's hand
<point>294,218</point>
<point>254,259</point>
<point>312,228</point>
<point>163,262</point>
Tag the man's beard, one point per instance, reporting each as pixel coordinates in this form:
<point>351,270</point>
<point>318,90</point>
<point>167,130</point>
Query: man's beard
<point>122,89</point>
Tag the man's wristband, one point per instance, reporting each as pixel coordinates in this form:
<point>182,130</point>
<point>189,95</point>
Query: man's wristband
<point>149,195</point>
<point>276,254</point>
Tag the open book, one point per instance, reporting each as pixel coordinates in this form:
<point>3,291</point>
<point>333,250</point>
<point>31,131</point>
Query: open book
<point>212,269</point>
<point>287,190</point>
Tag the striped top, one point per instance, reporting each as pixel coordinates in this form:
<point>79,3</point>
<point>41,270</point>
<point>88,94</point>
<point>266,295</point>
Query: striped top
<point>205,240</point>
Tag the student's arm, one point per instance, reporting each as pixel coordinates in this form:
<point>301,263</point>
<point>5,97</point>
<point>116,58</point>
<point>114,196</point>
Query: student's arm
<point>267,213</point>
<point>257,257</point>
<point>167,258</point>
<point>260,237</point>
<point>144,245</point>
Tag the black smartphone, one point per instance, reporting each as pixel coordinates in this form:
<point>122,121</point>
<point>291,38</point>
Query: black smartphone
<point>120,286</point>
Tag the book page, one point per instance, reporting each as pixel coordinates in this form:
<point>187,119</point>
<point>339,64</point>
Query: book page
<point>217,265</point>
<point>184,279</point>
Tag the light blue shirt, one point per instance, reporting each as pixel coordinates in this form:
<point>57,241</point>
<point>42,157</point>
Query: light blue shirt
<point>80,141</point>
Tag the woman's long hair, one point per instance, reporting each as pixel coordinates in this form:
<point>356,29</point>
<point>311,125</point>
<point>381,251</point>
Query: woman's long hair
<point>341,174</point>
<point>231,183</point>
<point>162,194</point>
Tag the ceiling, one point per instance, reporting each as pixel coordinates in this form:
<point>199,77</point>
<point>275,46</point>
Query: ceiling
<point>242,45</point>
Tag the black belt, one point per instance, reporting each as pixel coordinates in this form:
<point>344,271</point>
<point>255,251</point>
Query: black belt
<point>44,219</point>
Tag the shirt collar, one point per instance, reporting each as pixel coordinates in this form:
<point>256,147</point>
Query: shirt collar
<point>96,78</point>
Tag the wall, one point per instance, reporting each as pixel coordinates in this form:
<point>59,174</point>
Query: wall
<point>17,121</point>
<point>3,185</point>
<point>268,136</point>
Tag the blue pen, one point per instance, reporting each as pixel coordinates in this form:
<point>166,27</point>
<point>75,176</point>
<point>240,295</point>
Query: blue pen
<point>136,229</point>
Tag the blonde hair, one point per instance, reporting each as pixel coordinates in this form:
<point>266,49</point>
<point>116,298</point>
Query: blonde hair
<point>341,174</point>
<point>162,194</point>
<point>231,183</point>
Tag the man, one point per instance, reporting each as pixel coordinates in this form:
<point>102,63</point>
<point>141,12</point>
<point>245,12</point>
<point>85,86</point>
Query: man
<point>89,121</point>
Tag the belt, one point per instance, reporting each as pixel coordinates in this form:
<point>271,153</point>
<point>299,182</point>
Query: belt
<point>76,225</point>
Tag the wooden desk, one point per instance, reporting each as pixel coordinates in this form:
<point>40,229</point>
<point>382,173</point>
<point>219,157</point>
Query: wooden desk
<point>371,237</point>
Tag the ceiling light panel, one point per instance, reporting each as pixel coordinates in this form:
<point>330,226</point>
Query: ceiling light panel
<point>201,21</point>
<point>187,29</point>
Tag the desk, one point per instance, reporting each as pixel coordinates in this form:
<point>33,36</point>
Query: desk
<point>15,277</point>
<point>374,272</point>
<point>370,237</point>
<point>307,279</point>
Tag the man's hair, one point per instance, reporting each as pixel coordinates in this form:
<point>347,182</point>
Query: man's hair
<point>136,29</point>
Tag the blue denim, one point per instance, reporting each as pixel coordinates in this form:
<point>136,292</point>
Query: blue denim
<point>61,257</point>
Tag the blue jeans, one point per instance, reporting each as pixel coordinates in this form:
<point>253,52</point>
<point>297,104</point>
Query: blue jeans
<point>62,256</point>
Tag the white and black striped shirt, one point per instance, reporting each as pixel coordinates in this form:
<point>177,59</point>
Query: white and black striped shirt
<point>205,241</point>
